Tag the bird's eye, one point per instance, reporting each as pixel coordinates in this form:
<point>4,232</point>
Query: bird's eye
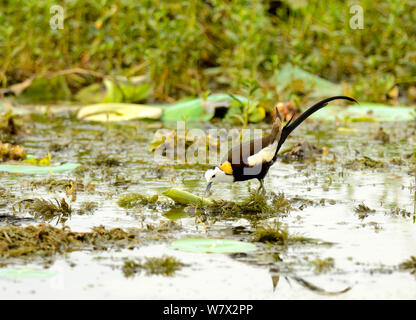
<point>213,175</point>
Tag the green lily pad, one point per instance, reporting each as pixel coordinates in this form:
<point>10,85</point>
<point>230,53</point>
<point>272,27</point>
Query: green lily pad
<point>290,75</point>
<point>196,109</point>
<point>212,245</point>
<point>366,112</point>
<point>26,273</point>
<point>29,169</point>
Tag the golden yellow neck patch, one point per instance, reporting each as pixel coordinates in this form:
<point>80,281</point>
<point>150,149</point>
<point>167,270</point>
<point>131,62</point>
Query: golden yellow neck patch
<point>226,167</point>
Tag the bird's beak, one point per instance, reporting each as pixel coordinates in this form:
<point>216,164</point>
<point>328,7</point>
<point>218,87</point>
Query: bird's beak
<point>208,187</point>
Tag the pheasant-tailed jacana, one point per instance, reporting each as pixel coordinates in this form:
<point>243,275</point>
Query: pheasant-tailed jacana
<point>253,159</point>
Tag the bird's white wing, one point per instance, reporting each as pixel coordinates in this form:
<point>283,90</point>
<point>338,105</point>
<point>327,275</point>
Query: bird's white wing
<point>264,155</point>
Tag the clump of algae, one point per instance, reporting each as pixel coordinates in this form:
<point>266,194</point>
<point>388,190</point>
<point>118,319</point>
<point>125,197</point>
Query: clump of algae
<point>45,240</point>
<point>165,265</point>
<point>132,200</point>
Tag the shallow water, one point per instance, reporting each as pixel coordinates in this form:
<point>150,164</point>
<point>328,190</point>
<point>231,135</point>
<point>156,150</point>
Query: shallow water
<point>366,252</point>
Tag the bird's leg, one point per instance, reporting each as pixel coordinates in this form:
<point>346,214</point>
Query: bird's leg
<point>261,187</point>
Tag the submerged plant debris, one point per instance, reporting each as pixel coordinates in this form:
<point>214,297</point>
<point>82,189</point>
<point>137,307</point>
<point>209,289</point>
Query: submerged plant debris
<point>165,265</point>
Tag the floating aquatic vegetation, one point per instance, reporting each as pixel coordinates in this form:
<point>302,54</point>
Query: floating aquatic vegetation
<point>272,233</point>
<point>397,161</point>
<point>401,212</point>
<point>133,200</point>
<point>362,210</point>
<point>174,146</point>
<point>323,265</point>
<point>290,78</point>
<point>26,273</point>
<point>29,169</point>
<point>165,265</point>
<point>277,233</point>
<point>382,136</point>
<point>8,124</point>
<point>409,265</point>
<point>199,109</point>
<point>212,245</point>
<point>48,210</point>
<point>365,162</point>
<point>105,160</point>
<point>87,207</point>
<point>302,151</point>
<point>53,184</point>
<point>11,152</point>
<point>365,112</point>
<point>254,204</point>
<point>45,240</point>
<point>109,112</point>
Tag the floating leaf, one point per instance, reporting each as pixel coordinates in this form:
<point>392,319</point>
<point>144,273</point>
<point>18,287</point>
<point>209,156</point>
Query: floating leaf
<point>197,109</point>
<point>347,130</point>
<point>212,245</point>
<point>366,112</point>
<point>303,80</point>
<point>29,169</point>
<point>26,273</point>
<point>118,112</point>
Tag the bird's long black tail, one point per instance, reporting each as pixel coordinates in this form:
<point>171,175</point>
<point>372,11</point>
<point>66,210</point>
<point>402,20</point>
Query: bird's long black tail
<point>290,126</point>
